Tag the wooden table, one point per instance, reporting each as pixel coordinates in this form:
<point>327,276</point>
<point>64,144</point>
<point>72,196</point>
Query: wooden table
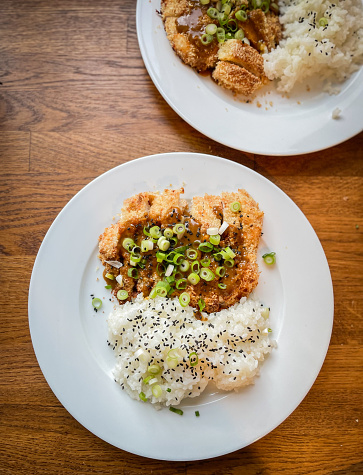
<point>75,101</point>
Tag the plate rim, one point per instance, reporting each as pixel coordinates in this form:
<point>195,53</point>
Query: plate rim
<point>121,166</point>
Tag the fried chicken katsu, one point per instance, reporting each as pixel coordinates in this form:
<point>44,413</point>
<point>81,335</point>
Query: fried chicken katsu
<point>227,42</point>
<point>204,254</point>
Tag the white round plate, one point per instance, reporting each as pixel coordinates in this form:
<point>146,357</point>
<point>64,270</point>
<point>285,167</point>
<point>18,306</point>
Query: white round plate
<point>270,125</point>
<point>69,338</point>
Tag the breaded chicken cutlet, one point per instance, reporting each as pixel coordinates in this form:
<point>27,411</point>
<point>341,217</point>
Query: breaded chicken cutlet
<point>235,64</point>
<point>176,254</point>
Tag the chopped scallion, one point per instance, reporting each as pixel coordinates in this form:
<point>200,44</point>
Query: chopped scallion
<point>235,206</point>
<point>269,258</point>
<point>184,299</point>
<point>177,411</point>
<point>97,303</point>
<point>122,294</point>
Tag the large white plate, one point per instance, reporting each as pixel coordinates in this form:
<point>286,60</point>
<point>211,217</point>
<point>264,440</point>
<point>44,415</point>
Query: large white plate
<point>299,124</point>
<point>69,339</point>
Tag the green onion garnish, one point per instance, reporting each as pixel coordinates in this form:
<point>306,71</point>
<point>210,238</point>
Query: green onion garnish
<point>179,228</point>
<point>211,29</point>
<point>201,304</point>
<point>178,259</point>
<point>169,390</point>
<point>221,35</point>
<point>122,294</point>
<point>184,299</point>
<point>110,276</point>
<point>212,13</point>
<point>197,413</point>
<point>193,358</point>
<point>239,35</point>
<point>221,271</point>
<point>163,245</point>
<point>133,272</point>
<point>265,6</point>
<point>155,232</point>
<point>108,286</point>
<point>227,251</point>
<point>205,247</point>
<point>154,369</point>
<point>323,22</point>
<point>206,39</point>
<point>97,303</point>
<point>235,206</point>
<point>168,233</point>
<point>128,244</point>
<point>184,266</point>
<point>207,274</point>
<point>195,267</point>
<point>192,254</point>
<point>232,25</point>
<point>204,2</point>
<point>274,7</point>
<point>241,15</point>
<point>177,411</point>
<point>181,284</point>
<point>218,256</point>
<point>156,390</point>
<point>222,286</point>
<point>193,278</point>
<point>146,232</point>
<point>146,245</point>
<point>142,397</point>
<point>269,258</point>
<point>147,379</point>
<point>215,239</point>
<point>205,262</point>
<point>160,256</point>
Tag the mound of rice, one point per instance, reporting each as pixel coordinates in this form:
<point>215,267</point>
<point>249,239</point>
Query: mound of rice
<point>230,347</point>
<point>332,52</point>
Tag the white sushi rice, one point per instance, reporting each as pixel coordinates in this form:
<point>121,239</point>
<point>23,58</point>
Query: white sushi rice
<point>230,346</point>
<point>331,52</point>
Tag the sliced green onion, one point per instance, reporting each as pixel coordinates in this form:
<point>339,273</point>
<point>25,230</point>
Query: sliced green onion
<point>193,358</point>
<point>177,411</point>
<point>211,29</point>
<point>147,379</point>
<point>156,390</point>
<point>146,232</point>
<point>192,254</point>
<point>265,6</point>
<point>212,13</point>
<point>269,258</point>
<point>128,244</point>
<point>226,8</point>
<point>178,259</point>
<point>133,272</point>
<point>269,330</point>
<point>161,291</point>
<point>241,15</point>
<point>193,278</point>
<point>229,262</point>
<point>174,354</point>
<point>153,293</point>
<point>155,232</point>
<point>215,239</point>
<point>323,22</point>
<point>122,294</point>
<point>197,413</point>
<point>205,261</point>
<point>235,206</point>
<point>196,243</point>
<point>146,245</point>
<point>184,266</point>
<point>204,2</point>
<point>206,247</point>
<point>134,260</point>
<point>169,390</point>
<point>170,257</point>
<point>221,35</point>
<point>207,274</point>
<point>246,41</point>
<point>265,312</point>
<point>160,256</point>
<point>229,36</point>
<point>168,233</point>
<point>184,299</point>
<point>222,286</point>
<point>222,18</point>
<point>173,240</point>
<point>195,267</point>
<point>206,39</point>
<point>232,25</point>
<point>110,276</point>
<point>274,7</point>
<point>142,397</point>
<point>97,303</point>
<point>108,286</point>
<point>201,304</point>
<point>154,369</point>
<point>164,245</point>
<point>221,271</point>
<point>239,35</point>
<point>218,256</point>
<point>228,251</point>
<point>181,284</point>
<point>172,362</point>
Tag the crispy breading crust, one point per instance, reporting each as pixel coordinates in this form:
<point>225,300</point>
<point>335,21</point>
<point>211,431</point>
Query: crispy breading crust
<point>243,55</point>
<point>237,79</point>
<point>208,211</point>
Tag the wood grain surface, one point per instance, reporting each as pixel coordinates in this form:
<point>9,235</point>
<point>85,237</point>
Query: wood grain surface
<point>75,101</point>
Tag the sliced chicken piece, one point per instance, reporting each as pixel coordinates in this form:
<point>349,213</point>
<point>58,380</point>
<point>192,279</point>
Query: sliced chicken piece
<point>236,78</point>
<point>243,55</point>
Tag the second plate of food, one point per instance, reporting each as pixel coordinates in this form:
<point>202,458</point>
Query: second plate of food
<point>70,338</point>
<point>306,120</point>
